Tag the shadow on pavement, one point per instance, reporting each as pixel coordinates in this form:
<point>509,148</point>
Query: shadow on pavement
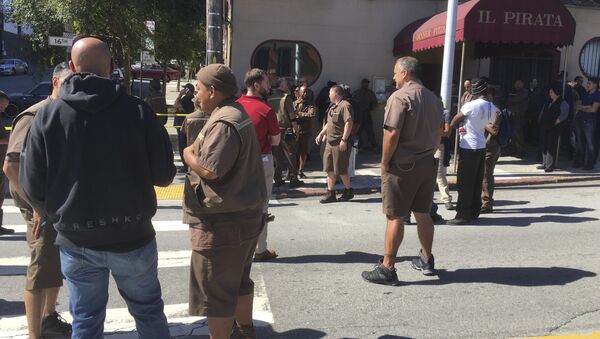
<point>351,257</point>
<point>529,220</point>
<point>12,270</point>
<point>19,236</point>
<point>512,276</point>
<point>11,308</point>
<point>498,203</point>
<point>560,210</point>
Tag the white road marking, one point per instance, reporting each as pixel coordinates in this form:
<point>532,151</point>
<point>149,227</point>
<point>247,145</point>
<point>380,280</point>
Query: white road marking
<point>119,323</point>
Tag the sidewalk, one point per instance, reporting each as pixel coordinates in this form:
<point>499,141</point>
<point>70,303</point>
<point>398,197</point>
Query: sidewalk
<point>509,171</point>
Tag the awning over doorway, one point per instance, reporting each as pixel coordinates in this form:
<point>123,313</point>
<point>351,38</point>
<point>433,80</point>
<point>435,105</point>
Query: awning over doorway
<point>493,21</point>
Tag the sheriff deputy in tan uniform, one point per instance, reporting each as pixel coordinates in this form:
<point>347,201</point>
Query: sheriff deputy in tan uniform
<point>336,157</point>
<point>224,194</point>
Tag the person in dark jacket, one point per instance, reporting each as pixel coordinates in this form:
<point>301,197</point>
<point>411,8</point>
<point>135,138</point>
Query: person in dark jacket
<point>552,115</point>
<point>88,166</point>
<point>156,100</point>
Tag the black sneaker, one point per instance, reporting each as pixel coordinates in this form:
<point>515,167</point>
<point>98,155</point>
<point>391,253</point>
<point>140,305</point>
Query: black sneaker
<point>459,221</point>
<point>279,182</point>
<point>486,209</point>
<point>449,206</point>
<point>294,182</point>
<point>302,175</point>
<point>426,267</point>
<point>4,231</point>
<point>330,197</point>
<point>346,195</point>
<point>270,217</point>
<point>54,326</point>
<point>381,275</point>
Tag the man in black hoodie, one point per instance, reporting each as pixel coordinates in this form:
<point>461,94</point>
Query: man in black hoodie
<point>89,165</point>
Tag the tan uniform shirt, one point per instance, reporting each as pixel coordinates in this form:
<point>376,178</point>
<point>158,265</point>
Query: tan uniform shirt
<point>337,117</point>
<point>419,115</point>
<point>283,106</point>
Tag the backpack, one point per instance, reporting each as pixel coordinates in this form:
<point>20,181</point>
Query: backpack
<point>505,132</point>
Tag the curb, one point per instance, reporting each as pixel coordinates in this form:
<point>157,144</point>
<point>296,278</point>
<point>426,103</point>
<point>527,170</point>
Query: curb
<point>312,192</point>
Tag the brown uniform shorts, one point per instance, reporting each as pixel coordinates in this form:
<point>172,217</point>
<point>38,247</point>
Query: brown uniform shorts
<point>304,144</point>
<point>220,266</point>
<point>44,267</point>
<point>335,160</point>
<point>409,187</point>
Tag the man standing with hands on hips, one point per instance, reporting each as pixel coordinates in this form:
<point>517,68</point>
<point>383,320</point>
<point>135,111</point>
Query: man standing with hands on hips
<point>336,157</point>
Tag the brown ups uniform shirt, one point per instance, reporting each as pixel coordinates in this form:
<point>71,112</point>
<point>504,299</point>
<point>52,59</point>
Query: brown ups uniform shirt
<point>337,116</point>
<point>418,114</point>
<point>193,124</point>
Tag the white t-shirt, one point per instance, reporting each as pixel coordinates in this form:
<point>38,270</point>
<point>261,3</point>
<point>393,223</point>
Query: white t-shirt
<point>478,113</point>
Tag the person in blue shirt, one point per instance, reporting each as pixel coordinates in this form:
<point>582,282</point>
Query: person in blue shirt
<point>585,127</point>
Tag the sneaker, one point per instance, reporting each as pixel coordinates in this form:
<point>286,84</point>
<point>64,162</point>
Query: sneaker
<point>302,175</point>
<point>270,217</point>
<point>427,267</point>
<point>294,182</point>
<point>436,217</point>
<point>549,169</point>
<point>486,209</point>
<point>381,275</point>
<point>449,206</point>
<point>54,326</point>
<point>4,231</point>
<point>346,195</point>
<point>265,256</point>
<point>459,221</point>
<point>279,182</point>
<point>540,167</point>
<point>330,197</point>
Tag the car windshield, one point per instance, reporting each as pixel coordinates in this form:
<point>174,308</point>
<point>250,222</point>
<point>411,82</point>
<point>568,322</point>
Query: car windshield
<point>41,89</point>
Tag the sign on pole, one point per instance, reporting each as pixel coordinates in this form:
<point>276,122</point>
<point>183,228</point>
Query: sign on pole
<point>60,41</point>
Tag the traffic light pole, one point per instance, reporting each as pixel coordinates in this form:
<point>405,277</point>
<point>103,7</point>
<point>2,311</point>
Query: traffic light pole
<point>214,31</point>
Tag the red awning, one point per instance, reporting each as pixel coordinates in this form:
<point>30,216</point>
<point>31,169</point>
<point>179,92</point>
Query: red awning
<point>494,21</point>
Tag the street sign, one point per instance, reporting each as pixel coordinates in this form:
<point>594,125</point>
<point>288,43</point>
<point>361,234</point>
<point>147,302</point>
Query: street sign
<point>60,41</point>
<point>148,58</point>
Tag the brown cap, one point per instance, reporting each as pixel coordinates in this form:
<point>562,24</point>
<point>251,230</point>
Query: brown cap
<point>220,77</point>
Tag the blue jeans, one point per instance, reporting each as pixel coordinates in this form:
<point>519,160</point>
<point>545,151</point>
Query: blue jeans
<point>585,128</point>
<point>136,275</point>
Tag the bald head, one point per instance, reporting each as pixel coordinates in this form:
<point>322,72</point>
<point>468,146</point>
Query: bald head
<point>91,55</point>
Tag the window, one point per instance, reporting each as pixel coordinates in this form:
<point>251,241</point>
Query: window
<point>293,59</point>
<point>42,89</point>
<point>589,58</point>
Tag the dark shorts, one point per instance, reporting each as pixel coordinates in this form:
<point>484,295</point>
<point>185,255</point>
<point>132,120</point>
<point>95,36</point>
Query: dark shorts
<point>304,142</point>
<point>44,266</point>
<point>409,187</point>
<point>335,160</point>
<point>220,268</point>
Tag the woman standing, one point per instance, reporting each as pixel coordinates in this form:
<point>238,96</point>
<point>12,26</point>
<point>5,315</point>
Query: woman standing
<point>553,113</point>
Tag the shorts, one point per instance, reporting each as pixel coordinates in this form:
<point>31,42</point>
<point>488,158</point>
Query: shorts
<point>304,142</point>
<point>44,265</point>
<point>335,160</point>
<point>220,271</point>
<point>409,187</point>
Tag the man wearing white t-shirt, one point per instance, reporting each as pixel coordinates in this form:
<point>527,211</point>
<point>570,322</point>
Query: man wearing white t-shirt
<point>474,115</point>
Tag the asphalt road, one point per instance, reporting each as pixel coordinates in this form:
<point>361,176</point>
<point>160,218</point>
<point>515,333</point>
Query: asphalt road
<point>529,269</point>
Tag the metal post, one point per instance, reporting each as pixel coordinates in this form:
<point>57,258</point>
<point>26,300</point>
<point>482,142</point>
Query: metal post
<point>141,65</point>
<point>460,90</point>
<point>564,90</point>
<point>214,31</point>
<point>448,66</point>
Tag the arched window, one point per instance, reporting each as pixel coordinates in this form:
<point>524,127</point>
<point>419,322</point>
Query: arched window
<point>589,58</point>
<point>297,60</point>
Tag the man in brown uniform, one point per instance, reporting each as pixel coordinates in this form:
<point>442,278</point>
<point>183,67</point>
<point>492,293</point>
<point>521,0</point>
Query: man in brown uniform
<point>224,193</point>
<point>44,277</point>
<point>306,111</point>
<point>467,95</point>
<point>412,128</point>
<point>336,157</point>
<point>518,103</point>
<point>283,105</point>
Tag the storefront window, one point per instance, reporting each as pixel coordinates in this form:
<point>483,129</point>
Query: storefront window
<point>589,58</point>
<point>293,59</point>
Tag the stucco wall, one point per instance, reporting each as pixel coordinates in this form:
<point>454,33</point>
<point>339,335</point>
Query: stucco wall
<point>588,27</point>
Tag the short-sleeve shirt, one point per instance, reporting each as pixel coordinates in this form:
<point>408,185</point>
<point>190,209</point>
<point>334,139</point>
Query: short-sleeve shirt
<point>263,118</point>
<point>419,115</point>
<point>19,132</point>
<point>220,149</point>
<point>590,98</point>
<point>478,113</point>
<point>337,116</point>
<point>193,124</point>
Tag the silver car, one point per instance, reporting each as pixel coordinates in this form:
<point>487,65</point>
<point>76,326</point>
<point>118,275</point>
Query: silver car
<point>13,66</point>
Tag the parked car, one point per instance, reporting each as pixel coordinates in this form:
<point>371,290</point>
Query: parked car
<point>13,66</point>
<point>153,72</point>
<point>21,101</point>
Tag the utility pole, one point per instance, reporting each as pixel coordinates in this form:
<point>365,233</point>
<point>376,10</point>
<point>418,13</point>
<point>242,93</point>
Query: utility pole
<point>214,31</point>
<point>448,66</point>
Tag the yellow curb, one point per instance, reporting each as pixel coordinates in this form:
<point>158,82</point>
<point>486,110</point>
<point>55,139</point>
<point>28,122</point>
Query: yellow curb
<point>595,335</point>
<point>172,192</point>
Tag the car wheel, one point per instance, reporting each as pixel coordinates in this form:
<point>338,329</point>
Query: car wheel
<point>13,71</point>
<point>11,111</point>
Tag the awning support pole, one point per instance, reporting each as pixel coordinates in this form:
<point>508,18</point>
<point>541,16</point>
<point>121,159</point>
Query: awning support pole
<point>448,65</point>
<point>460,92</point>
<point>564,90</point>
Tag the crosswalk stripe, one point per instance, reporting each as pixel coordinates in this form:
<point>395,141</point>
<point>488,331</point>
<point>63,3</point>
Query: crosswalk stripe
<point>118,320</point>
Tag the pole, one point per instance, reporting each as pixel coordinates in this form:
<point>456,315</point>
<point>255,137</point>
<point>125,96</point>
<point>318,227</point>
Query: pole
<point>448,65</point>
<point>141,66</point>
<point>460,92</point>
<point>214,31</point>
<point>564,93</point>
